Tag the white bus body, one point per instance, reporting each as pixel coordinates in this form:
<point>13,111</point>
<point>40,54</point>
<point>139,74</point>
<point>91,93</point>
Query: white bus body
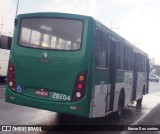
<point>5,45</point>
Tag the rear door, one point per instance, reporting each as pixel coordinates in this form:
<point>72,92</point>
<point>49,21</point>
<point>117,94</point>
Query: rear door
<point>112,71</point>
<point>135,71</point>
<point>101,74</point>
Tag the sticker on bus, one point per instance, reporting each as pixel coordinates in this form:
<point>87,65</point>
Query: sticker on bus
<point>42,92</point>
<point>19,88</point>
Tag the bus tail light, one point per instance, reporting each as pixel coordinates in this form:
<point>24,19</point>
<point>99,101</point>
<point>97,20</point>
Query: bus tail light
<point>11,77</point>
<point>80,87</point>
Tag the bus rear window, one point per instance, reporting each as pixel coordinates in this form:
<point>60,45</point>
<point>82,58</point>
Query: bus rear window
<point>51,33</point>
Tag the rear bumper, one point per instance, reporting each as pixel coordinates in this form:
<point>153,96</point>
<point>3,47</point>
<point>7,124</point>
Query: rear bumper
<point>79,108</point>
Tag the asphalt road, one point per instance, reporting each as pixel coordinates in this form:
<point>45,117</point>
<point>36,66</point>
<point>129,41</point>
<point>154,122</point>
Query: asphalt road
<point>11,114</point>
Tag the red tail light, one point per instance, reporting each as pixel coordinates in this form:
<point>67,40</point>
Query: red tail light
<point>80,87</point>
<point>11,77</point>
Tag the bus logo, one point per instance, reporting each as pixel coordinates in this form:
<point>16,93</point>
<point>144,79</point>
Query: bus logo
<point>41,92</point>
<point>45,54</point>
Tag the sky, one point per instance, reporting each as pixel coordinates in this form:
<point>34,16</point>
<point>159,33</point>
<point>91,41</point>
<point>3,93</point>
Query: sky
<point>138,21</point>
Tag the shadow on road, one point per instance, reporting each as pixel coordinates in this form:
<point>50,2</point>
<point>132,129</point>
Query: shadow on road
<point>75,122</point>
<point>64,119</point>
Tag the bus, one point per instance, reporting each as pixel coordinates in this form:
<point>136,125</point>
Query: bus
<point>5,46</point>
<point>73,64</point>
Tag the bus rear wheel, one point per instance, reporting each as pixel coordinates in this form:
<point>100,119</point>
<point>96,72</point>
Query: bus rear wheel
<point>139,102</point>
<point>118,113</point>
<point>2,79</point>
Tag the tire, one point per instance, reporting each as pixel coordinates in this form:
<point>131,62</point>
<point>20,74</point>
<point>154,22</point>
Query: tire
<point>2,79</point>
<point>139,101</point>
<point>118,113</point>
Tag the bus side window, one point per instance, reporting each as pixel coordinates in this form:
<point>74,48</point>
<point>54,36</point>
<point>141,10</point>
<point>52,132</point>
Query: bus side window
<point>121,56</point>
<point>140,63</point>
<point>98,47</point>
<point>129,53</point>
<point>5,42</point>
<point>143,63</point>
<point>104,51</point>
<point>101,52</point>
<point>9,43</point>
<point>98,40</point>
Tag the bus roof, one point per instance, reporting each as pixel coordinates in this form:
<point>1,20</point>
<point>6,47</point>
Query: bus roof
<point>54,14</point>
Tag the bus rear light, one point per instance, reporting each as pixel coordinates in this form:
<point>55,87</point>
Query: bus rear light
<point>80,87</point>
<point>78,94</point>
<point>10,83</point>
<point>11,76</point>
<point>81,77</point>
<point>11,68</point>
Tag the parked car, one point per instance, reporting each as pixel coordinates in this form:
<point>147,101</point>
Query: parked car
<point>153,78</point>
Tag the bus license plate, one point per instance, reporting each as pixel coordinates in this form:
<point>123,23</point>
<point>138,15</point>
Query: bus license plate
<point>41,92</point>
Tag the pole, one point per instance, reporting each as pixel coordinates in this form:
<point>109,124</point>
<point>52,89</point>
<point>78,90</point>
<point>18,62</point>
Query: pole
<point>17,8</point>
<point>1,25</point>
<point>113,27</point>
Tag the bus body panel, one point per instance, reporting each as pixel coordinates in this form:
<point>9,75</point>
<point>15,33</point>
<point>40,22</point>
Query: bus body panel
<point>110,82</point>
<point>4,58</point>
<point>5,45</point>
<point>75,108</point>
<point>50,76</point>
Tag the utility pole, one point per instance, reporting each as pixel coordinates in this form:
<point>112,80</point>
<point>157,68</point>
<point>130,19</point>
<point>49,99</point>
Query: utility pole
<point>137,42</point>
<point>17,8</point>
<point>113,27</point>
<point>1,25</point>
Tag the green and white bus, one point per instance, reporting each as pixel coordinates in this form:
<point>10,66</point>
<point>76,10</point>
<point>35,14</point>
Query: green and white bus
<point>75,65</point>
